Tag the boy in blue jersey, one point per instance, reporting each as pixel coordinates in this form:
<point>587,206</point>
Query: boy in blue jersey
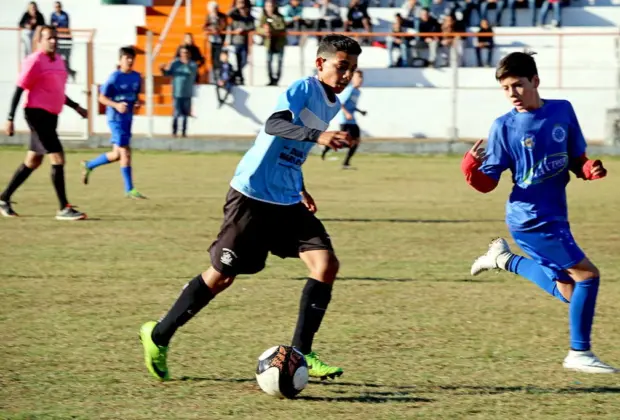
<point>540,142</point>
<point>269,210</point>
<point>349,98</point>
<point>119,94</point>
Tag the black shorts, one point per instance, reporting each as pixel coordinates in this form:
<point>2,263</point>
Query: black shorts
<point>252,228</point>
<point>352,129</point>
<point>43,136</point>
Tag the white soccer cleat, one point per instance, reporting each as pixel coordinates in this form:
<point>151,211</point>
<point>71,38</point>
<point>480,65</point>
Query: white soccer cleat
<point>495,258</point>
<point>586,362</point>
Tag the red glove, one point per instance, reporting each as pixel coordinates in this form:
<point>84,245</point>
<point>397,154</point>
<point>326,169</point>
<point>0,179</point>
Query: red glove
<point>593,169</point>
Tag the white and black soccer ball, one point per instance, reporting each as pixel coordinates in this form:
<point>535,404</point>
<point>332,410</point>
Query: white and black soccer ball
<point>282,371</point>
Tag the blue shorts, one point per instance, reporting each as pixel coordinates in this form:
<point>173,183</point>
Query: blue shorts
<point>552,246</point>
<point>121,132</point>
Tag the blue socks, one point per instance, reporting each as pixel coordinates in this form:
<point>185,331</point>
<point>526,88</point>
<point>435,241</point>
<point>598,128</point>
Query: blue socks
<point>535,273</point>
<point>126,171</point>
<point>581,313</point>
<point>102,159</point>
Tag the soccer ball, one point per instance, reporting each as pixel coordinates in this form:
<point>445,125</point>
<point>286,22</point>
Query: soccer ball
<point>282,371</point>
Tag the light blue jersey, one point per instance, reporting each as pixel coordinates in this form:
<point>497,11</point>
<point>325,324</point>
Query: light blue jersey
<point>271,170</point>
<point>349,98</point>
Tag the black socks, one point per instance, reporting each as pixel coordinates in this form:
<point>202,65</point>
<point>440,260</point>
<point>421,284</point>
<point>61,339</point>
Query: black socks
<point>58,179</point>
<point>21,174</point>
<point>195,296</point>
<point>314,301</point>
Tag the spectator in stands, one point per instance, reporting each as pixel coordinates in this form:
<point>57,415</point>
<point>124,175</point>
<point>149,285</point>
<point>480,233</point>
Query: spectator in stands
<point>292,14</point>
<point>450,25</point>
<point>512,5</point>
<point>273,29</point>
<point>358,18</point>
<point>60,20</point>
<point>215,26</point>
<point>329,16</point>
<point>183,71</point>
<point>468,7</point>
<point>242,23</point>
<point>484,43</point>
<point>224,81</point>
<point>194,53</point>
<point>29,22</point>
<point>556,5</point>
<point>439,9</point>
<point>427,24</point>
<point>409,13</point>
<point>402,43</point>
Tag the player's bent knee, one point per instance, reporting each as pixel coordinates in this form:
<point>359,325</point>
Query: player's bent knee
<point>216,281</point>
<point>57,158</point>
<point>33,161</point>
<point>584,270</point>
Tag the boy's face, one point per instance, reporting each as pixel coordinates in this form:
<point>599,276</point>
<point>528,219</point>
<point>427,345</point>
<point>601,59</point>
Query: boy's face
<point>224,58</point>
<point>336,70</point>
<point>126,62</point>
<point>521,92</point>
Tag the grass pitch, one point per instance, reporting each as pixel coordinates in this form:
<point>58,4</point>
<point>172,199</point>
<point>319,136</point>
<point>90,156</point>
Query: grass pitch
<point>416,335</point>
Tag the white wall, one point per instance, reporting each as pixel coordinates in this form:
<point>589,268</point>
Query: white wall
<point>392,113</point>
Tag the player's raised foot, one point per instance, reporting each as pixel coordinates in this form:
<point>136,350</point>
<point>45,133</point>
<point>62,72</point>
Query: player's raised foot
<point>155,357</point>
<point>319,369</point>
<point>135,195</point>
<point>85,172</point>
<point>586,362</point>
<point>495,258</point>
<point>70,213</point>
<point>6,210</point>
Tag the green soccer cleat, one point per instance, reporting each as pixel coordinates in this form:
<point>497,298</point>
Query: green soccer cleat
<point>154,355</point>
<point>85,172</point>
<point>319,369</point>
<point>135,195</point>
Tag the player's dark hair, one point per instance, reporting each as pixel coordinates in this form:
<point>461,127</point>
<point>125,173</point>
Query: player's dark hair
<point>517,64</point>
<point>331,44</point>
<point>127,51</point>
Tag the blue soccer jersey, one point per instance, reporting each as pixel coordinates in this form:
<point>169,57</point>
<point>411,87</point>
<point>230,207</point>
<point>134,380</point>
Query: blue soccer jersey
<point>271,170</point>
<point>349,98</point>
<point>122,87</point>
<point>537,147</point>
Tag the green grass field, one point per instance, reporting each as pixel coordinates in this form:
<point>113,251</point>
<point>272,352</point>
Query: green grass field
<point>416,335</point>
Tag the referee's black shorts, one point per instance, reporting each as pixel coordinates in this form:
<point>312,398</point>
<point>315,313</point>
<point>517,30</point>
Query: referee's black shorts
<point>43,136</point>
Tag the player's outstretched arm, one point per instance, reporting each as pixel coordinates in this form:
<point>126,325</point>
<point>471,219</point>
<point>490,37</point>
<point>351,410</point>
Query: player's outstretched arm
<point>76,107</point>
<point>470,166</point>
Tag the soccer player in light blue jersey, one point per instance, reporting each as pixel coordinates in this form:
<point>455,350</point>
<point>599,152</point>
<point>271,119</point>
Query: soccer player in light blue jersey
<point>119,94</point>
<point>349,98</point>
<point>540,142</point>
<point>269,210</point>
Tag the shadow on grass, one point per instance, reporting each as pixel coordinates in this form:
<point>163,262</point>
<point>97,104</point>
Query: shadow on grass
<point>402,279</point>
<point>477,389</point>
<point>421,221</point>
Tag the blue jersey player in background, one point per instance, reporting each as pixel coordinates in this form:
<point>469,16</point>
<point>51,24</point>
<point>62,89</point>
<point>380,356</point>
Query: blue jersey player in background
<point>540,142</point>
<point>119,94</point>
<point>268,210</point>
<point>349,98</point>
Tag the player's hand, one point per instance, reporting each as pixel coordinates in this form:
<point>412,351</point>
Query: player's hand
<point>364,113</point>
<point>81,112</point>
<point>9,128</point>
<point>334,139</point>
<point>308,202</point>
<point>478,152</point>
<point>121,107</point>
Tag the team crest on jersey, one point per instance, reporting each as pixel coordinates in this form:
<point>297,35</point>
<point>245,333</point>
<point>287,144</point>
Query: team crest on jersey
<point>528,142</point>
<point>228,257</point>
<point>558,133</point>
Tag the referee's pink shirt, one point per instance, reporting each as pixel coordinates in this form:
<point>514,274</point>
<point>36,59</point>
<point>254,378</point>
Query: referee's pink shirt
<point>44,80</point>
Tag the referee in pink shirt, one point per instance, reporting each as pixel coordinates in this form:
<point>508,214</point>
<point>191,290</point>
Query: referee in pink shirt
<point>44,77</point>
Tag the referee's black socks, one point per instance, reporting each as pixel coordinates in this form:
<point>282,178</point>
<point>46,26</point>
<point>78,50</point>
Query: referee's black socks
<point>314,300</point>
<point>58,179</point>
<point>21,174</point>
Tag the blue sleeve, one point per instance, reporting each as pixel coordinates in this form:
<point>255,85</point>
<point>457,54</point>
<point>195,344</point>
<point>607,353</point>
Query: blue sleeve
<point>295,98</point>
<point>107,89</point>
<point>497,157</point>
<point>576,141</point>
<point>53,19</point>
